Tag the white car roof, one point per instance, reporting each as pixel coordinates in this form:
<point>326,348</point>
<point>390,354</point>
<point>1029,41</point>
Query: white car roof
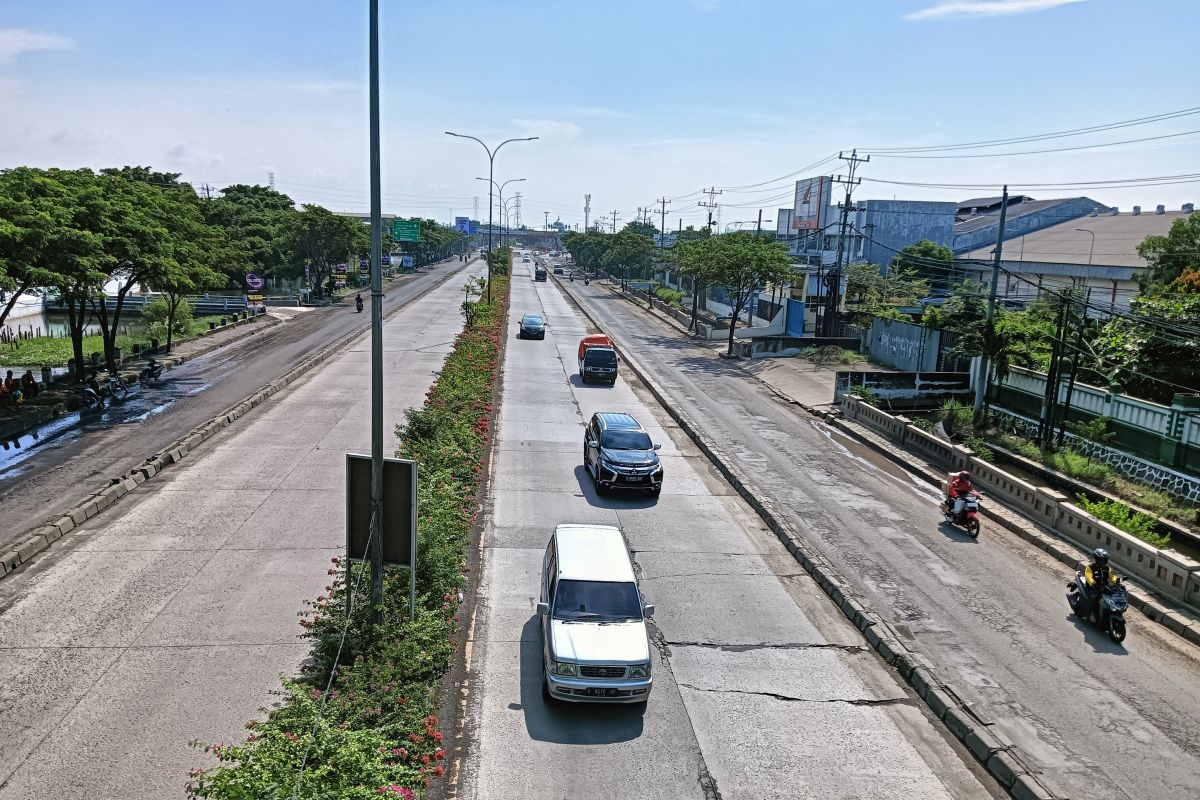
<point>592,553</point>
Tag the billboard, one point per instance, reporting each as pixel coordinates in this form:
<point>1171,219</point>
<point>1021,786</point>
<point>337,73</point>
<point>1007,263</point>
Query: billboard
<point>462,224</point>
<point>812,198</point>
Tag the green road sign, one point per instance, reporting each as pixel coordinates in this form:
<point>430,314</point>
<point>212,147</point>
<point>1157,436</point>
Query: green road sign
<point>406,230</point>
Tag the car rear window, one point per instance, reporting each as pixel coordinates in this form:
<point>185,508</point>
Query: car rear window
<point>602,357</point>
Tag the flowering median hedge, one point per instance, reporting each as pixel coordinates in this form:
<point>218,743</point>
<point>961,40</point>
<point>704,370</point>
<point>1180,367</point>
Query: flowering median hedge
<point>378,734</point>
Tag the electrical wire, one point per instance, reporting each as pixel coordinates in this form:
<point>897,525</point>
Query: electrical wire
<point>1039,152</point>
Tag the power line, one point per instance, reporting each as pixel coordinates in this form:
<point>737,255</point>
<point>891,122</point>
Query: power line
<point>1039,152</point>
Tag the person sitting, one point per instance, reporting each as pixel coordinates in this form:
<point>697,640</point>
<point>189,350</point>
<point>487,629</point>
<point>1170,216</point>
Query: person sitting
<point>13,387</point>
<point>957,491</point>
<point>29,386</point>
<point>1098,574</point>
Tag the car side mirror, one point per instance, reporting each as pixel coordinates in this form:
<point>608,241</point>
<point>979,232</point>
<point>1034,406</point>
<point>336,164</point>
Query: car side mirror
<point>657,446</point>
<point>543,609</point>
<point>648,609</point>
<point>591,442</point>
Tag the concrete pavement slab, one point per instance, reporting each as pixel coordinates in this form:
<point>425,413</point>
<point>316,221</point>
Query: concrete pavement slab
<point>208,520</point>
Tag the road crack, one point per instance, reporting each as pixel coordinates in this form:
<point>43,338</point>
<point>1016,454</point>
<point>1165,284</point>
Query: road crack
<point>858,701</point>
<point>743,648</point>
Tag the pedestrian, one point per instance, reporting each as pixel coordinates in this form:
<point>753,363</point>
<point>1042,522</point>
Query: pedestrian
<point>29,386</point>
<point>13,387</point>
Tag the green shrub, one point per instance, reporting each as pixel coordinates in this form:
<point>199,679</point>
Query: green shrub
<point>925,424</point>
<point>1096,430</point>
<point>866,394</point>
<point>155,314</point>
<point>956,417</point>
<point>1119,515</point>
<point>671,297</point>
<point>980,448</point>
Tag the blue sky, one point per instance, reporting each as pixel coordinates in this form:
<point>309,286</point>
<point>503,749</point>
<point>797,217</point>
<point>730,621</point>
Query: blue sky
<point>633,100</point>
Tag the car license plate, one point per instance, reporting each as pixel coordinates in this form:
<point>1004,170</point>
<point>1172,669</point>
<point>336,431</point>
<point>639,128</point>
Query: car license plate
<point>633,478</point>
<point>597,691</point>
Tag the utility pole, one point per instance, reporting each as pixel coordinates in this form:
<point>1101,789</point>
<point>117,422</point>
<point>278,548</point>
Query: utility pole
<point>376,529</point>
<point>1066,408</point>
<point>587,211</point>
<point>985,371</point>
<point>547,220</point>
<point>662,226</point>
<point>1045,430</point>
<point>710,204</point>
<point>835,278</point>
<point>759,228</point>
<point>615,217</point>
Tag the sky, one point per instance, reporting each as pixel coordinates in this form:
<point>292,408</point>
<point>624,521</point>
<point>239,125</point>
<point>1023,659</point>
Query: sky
<point>632,100</point>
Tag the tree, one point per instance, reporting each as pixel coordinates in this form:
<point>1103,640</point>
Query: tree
<point>587,249</point>
<point>641,228</point>
<point>254,220</point>
<point>694,262</point>
<point>872,295</point>
<point>925,259</point>
<point>197,249</point>
<point>1170,256</point>
<point>629,251</point>
<point>318,239</point>
<point>39,240</point>
<point>962,309</point>
<point>745,263</point>
<point>1152,351</point>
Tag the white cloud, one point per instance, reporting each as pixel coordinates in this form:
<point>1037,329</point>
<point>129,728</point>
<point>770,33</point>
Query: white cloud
<point>15,41</point>
<point>986,8</point>
<point>549,128</point>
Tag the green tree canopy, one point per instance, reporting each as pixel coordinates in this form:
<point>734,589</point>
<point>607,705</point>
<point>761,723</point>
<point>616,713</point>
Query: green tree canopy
<point>1170,256</point>
<point>587,249</point>
<point>320,240</point>
<point>630,252</point>
<point>928,260</point>
<point>870,294</point>
<point>745,263</point>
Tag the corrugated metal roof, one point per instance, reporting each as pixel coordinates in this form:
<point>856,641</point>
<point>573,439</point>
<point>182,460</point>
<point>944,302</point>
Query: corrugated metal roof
<point>1015,210</point>
<point>1117,239</point>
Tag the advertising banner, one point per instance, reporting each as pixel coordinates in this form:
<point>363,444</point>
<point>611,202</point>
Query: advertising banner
<point>253,282</point>
<point>812,198</point>
<point>462,224</point>
<point>340,269</point>
<point>408,262</point>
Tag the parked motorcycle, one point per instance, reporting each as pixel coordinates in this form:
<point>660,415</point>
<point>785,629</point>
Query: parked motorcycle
<point>116,385</point>
<point>967,517</point>
<point>151,373</point>
<point>1104,606</point>
<point>90,396</point>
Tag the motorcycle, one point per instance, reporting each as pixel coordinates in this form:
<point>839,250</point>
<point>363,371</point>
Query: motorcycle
<point>586,280</point>
<point>572,277</point>
<point>967,517</point>
<point>90,396</point>
<point>1103,606</point>
<point>358,304</point>
<point>152,372</point>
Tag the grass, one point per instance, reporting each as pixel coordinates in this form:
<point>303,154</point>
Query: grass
<point>1121,516</point>
<point>49,351</point>
<point>830,354</point>
<point>1097,474</point>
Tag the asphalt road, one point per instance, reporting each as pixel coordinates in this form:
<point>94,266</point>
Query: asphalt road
<point>1099,719</point>
<point>171,616</point>
<point>73,454</point>
<point>762,689</point>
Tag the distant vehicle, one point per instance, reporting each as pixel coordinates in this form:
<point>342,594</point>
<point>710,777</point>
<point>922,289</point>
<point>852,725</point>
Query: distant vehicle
<point>558,270</point>
<point>539,274</point>
<point>595,646</point>
<point>618,454</point>
<point>532,326</point>
<point>525,260</point>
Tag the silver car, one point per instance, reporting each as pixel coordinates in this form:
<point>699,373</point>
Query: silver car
<point>595,645</point>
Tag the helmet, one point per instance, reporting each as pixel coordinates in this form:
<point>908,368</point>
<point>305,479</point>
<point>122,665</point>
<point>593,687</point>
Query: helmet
<point>966,476</point>
<point>1101,556</point>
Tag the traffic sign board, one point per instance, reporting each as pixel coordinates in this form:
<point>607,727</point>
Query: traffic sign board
<point>406,230</point>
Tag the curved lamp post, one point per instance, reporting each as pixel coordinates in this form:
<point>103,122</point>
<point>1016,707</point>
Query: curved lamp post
<point>491,177</point>
<point>500,194</point>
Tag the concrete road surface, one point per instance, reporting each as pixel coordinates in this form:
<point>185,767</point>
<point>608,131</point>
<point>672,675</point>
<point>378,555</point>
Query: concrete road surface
<point>762,690</point>
<point>74,456</point>
<point>1099,719</point>
<point>171,616</point>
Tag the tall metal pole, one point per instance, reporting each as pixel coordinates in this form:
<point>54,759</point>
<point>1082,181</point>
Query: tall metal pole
<point>491,183</point>
<point>376,336</point>
<point>985,372</point>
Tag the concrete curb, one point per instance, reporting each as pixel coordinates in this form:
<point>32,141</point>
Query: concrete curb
<point>987,745</point>
<point>41,538</point>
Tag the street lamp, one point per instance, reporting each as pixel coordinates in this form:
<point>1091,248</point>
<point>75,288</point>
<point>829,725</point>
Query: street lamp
<point>500,193</point>
<point>1092,250</point>
<point>491,177</point>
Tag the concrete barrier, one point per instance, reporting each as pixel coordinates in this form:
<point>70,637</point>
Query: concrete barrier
<point>1166,572</point>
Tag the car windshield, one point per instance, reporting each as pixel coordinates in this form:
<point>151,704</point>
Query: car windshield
<point>597,601</point>
<point>531,319</point>
<point>627,440</point>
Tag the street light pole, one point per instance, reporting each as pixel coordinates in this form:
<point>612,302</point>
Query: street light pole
<point>491,179</point>
<point>376,529</point>
<point>1092,249</point>
<point>500,194</point>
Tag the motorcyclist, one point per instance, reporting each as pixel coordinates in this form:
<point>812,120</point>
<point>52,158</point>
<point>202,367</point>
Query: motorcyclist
<point>1098,574</point>
<point>358,301</point>
<point>957,492</point>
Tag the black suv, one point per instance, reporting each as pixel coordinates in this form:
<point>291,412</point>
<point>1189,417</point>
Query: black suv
<point>618,454</point>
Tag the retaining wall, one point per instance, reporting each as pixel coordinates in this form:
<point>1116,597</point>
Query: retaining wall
<point>1164,571</point>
